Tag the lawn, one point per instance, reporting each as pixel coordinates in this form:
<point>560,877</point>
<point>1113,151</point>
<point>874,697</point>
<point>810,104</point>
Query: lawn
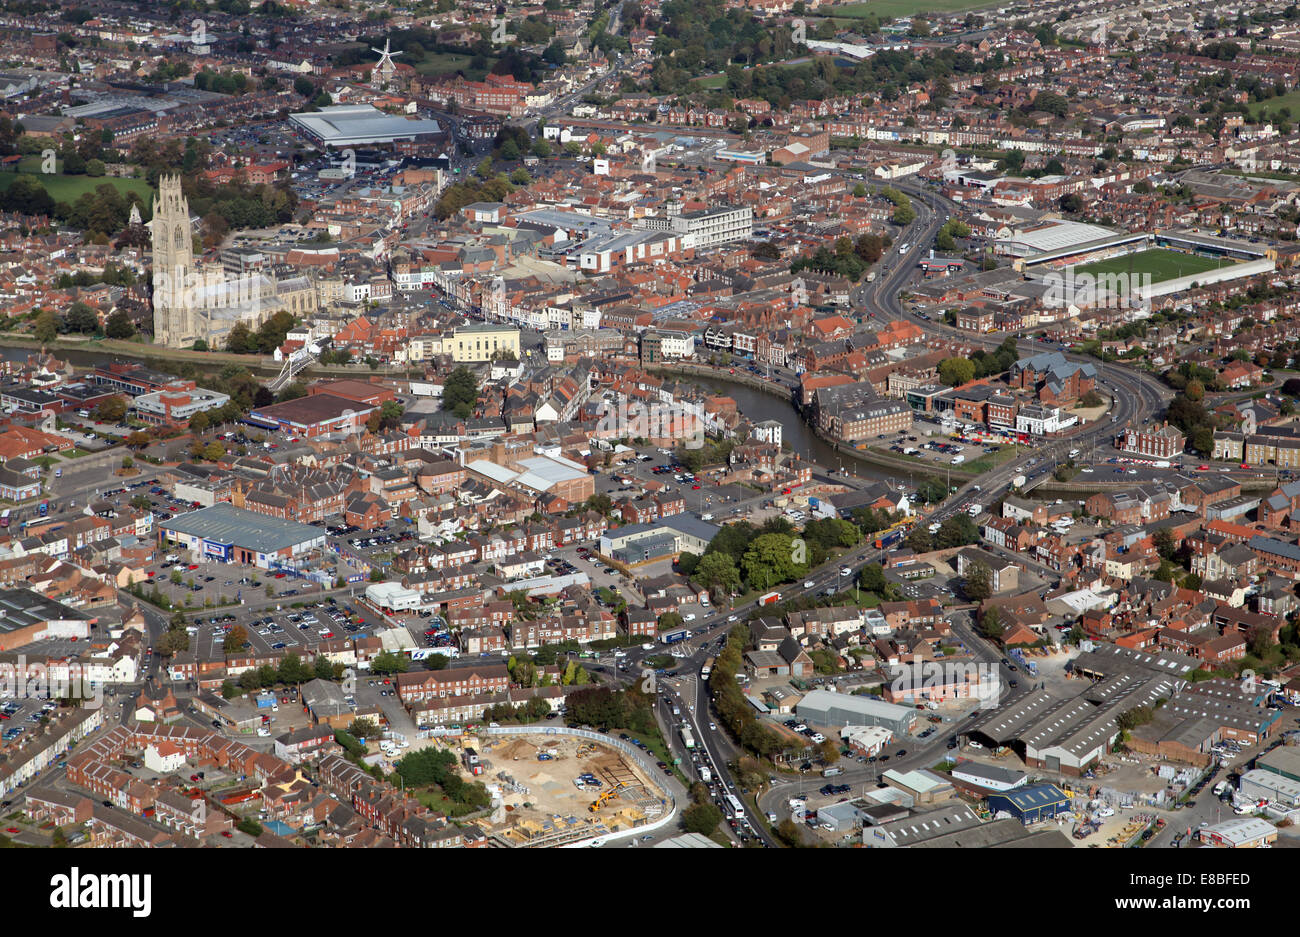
<point>991,461</point>
<point>1160,264</point>
<point>444,63</point>
<point>888,9</point>
<point>70,188</point>
<point>711,82</point>
<point>1273,105</point>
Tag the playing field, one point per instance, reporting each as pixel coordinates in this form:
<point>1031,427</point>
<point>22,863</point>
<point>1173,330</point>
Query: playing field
<point>70,188</point>
<point>1159,264</point>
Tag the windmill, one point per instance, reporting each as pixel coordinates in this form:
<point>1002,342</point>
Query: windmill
<point>385,68</point>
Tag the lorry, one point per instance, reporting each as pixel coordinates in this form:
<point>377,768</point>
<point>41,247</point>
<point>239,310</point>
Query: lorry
<point>1018,481</point>
<point>974,510</point>
<point>705,774</point>
<point>769,598</point>
<point>871,277</point>
<point>674,636</point>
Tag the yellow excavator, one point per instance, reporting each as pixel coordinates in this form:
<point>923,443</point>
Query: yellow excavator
<point>603,799</point>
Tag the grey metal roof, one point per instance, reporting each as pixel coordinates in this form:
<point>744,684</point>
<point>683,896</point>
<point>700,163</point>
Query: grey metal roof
<point>227,524</point>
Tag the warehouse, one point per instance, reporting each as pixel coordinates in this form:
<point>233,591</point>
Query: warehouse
<point>836,710</point>
<point>1259,785</point>
<point>227,534</point>
<point>984,777</point>
<point>1031,804</point>
<point>27,617</point>
<point>1239,833</point>
<point>1283,761</point>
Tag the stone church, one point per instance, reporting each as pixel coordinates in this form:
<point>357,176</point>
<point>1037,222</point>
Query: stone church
<point>195,301</point>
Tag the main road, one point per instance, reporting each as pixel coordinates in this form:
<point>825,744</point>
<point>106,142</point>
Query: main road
<point>1136,397</point>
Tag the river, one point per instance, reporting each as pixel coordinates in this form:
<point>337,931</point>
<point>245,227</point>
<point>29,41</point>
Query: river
<point>798,435</point>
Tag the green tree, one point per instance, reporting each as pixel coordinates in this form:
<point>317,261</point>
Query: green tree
<point>991,624</point>
<point>1164,543</point>
<point>119,325</point>
<point>956,371</point>
<point>702,818</point>
<point>770,560</point>
<point>364,729</point>
<point>46,329</point>
<point>956,531</point>
<point>717,571</point>
<point>979,582</point>
<point>460,392</point>
<point>389,663</point>
<point>872,578</point>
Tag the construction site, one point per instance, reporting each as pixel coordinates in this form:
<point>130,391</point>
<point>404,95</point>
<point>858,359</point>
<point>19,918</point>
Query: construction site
<point>549,790</point>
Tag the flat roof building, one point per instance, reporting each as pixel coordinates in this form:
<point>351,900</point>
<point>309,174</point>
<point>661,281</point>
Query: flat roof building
<point>229,534</point>
<point>314,415</point>
<point>27,616</point>
<point>359,124</point>
<point>836,710</point>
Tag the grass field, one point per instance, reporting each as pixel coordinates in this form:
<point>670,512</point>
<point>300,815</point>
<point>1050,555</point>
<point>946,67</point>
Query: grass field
<point>888,9</point>
<point>70,188</point>
<point>444,63</point>
<point>1160,264</point>
<point>1273,105</point>
<point>711,82</point>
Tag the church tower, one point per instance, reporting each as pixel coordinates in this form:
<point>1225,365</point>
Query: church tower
<point>173,266</point>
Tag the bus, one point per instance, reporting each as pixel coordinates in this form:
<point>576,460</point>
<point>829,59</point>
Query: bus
<point>704,671</point>
<point>688,739</point>
<point>735,810</point>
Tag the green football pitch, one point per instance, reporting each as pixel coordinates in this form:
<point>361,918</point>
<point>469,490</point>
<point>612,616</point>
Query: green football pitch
<point>1159,264</point>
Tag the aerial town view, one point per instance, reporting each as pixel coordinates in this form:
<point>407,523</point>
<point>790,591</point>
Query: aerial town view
<point>650,424</point>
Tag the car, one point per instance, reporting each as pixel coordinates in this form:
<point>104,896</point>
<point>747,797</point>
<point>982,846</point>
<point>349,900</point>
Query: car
<point>11,829</point>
